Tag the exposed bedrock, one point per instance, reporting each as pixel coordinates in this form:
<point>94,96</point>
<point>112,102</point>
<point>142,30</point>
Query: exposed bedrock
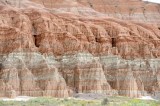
<point>132,10</point>
<point>30,74</point>
<point>45,54</point>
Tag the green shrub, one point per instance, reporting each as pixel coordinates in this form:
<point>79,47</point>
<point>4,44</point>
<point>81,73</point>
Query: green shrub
<point>105,101</point>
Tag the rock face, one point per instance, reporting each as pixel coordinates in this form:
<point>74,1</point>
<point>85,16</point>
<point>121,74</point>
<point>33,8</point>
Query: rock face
<point>133,10</point>
<point>50,53</point>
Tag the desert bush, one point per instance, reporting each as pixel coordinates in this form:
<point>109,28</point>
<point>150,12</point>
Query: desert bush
<point>105,102</point>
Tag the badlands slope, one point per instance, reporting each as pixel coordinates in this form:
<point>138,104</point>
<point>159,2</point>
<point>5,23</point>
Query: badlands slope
<point>65,46</point>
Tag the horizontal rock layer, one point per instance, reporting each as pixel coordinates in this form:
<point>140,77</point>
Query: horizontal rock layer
<point>49,54</point>
<point>133,10</point>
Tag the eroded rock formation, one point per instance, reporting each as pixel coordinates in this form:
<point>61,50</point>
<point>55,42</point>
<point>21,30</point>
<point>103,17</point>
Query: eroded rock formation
<point>133,10</point>
<point>45,53</point>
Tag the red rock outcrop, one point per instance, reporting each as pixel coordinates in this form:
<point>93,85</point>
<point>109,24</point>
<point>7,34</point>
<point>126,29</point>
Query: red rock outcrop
<point>133,10</point>
<point>50,53</point>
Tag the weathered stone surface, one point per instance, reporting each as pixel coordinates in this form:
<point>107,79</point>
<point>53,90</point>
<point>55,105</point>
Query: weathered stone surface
<point>49,53</point>
<point>29,74</point>
<point>133,10</point>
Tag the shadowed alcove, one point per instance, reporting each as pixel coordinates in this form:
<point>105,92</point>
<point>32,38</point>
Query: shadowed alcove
<point>113,42</point>
<point>36,40</point>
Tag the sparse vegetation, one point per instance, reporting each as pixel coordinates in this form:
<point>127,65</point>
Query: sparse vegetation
<point>109,101</point>
<point>46,101</point>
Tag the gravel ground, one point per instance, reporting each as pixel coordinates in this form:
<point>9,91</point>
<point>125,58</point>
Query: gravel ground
<point>89,96</point>
<point>157,96</point>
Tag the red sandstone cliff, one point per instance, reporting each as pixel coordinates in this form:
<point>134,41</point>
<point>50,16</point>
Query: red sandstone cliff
<point>133,10</point>
<point>47,52</point>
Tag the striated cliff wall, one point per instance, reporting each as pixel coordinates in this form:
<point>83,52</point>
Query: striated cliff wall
<point>45,53</point>
<point>133,10</point>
